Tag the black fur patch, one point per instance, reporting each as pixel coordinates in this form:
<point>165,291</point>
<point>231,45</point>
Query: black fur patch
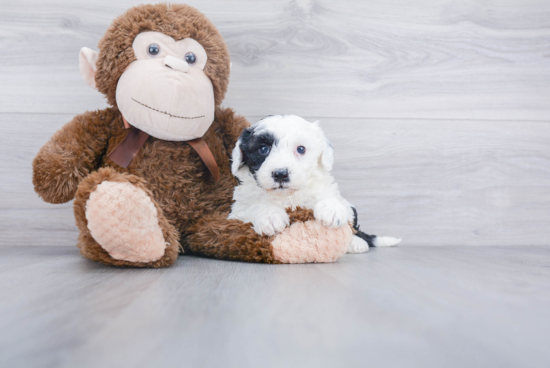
<point>250,146</point>
<point>368,238</point>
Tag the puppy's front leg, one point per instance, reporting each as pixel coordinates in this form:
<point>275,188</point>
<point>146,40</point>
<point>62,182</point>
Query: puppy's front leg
<point>269,220</point>
<point>333,212</point>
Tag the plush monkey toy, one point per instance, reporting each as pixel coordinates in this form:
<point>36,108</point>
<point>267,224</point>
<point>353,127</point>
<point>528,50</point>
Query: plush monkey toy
<point>150,176</point>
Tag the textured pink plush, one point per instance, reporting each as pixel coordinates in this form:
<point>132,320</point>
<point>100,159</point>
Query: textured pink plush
<point>311,242</point>
<point>123,220</point>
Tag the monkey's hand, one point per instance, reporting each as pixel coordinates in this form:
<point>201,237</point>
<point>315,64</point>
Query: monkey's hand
<point>70,155</point>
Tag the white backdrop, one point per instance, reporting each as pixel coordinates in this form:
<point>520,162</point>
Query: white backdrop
<point>438,110</point>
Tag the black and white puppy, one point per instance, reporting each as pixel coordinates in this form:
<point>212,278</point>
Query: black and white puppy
<point>284,161</point>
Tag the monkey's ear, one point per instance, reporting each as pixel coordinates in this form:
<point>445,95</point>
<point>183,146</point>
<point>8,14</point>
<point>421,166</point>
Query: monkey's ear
<point>87,61</point>
<point>236,158</point>
<point>327,157</point>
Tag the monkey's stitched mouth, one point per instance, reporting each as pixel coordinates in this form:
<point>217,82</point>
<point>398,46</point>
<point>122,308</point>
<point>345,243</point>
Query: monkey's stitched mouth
<point>167,113</point>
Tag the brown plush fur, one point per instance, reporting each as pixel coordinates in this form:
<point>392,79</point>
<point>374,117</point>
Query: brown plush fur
<point>179,183</point>
<point>216,236</point>
<point>75,160</point>
<point>300,215</point>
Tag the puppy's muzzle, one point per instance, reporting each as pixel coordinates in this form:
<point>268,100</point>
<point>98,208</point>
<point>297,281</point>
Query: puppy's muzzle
<point>281,176</point>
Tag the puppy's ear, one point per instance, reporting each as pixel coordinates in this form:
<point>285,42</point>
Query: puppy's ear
<point>327,157</point>
<point>237,154</point>
<point>236,158</point>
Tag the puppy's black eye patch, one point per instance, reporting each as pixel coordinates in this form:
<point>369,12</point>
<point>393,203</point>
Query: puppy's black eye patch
<point>256,148</point>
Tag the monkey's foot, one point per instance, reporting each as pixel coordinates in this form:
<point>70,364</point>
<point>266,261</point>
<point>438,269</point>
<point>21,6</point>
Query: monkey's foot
<point>309,242</point>
<point>124,221</point>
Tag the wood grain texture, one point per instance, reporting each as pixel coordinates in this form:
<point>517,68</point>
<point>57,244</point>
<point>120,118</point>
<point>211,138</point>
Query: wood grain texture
<point>432,182</point>
<point>446,182</point>
<point>435,59</point>
<point>399,307</point>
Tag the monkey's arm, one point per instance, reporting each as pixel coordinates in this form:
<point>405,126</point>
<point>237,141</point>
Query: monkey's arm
<point>231,126</point>
<point>71,154</point>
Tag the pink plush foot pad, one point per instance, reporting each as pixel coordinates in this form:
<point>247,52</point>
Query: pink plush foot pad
<point>123,220</point>
<point>311,242</point>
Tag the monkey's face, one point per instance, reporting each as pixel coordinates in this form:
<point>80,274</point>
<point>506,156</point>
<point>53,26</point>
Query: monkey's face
<point>165,66</point>
<point>165,92</point>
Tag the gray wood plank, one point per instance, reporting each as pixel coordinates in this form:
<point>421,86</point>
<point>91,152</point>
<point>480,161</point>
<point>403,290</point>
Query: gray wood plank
<point>396,307</point>
<point>428,59</point>
<point>446,182</point>
<point>432,182</point>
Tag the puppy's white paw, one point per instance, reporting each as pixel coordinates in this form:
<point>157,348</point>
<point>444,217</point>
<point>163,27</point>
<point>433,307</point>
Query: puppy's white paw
<point>358,245</point>
<point>332,213</point>
<point>271,222</point>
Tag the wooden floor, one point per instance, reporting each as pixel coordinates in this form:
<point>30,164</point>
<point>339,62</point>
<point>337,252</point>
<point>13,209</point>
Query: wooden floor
<point>397,307</point>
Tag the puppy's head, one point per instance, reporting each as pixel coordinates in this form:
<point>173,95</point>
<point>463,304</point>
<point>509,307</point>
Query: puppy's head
<point>281,152</point>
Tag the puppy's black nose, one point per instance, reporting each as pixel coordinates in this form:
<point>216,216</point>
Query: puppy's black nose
<point>281,176</point>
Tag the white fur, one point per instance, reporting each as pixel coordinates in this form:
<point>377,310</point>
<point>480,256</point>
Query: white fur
<point>386,241</point>
<point>260,200</point>
<point>358,245</point>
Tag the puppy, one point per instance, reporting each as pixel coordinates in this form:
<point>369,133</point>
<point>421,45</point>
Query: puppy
<point>284,161</point>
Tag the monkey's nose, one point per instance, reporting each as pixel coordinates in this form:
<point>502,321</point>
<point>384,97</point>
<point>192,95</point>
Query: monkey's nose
<point>176,63</point>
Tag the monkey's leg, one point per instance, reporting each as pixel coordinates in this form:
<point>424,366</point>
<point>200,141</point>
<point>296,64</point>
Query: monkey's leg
<point>121,224</point>
<point>216,236</point>
<point>304,241</point>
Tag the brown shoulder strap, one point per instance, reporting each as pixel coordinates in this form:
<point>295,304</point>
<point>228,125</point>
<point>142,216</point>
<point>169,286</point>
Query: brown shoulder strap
<point>124,153</point>
<point>126,150</point>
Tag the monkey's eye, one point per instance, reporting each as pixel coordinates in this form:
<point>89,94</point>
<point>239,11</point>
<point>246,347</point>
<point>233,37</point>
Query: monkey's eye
<point>190,58</point>
<point>264,150</point>
<point>153,49</point>
<point>301,150</point>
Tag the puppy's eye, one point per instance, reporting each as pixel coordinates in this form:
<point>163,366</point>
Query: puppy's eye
<point>153,49</point>
<point>264,150</point>
<point>301,150</point>
<point>190,58</point>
